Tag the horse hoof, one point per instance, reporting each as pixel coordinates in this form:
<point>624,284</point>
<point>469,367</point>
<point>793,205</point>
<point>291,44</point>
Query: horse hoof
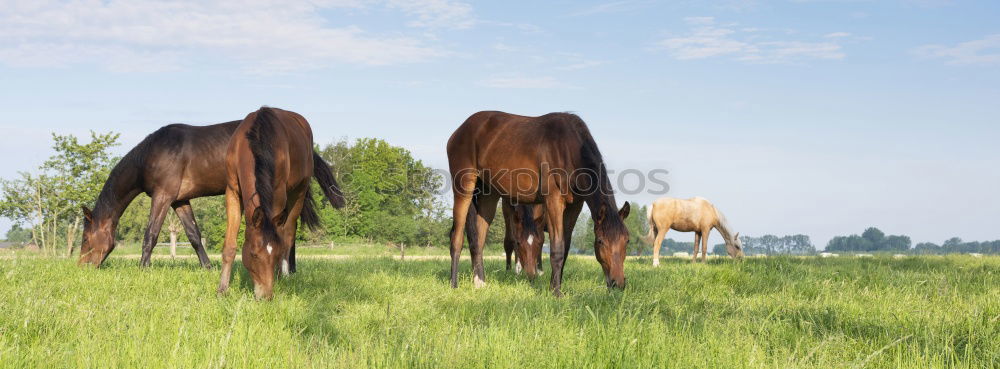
<point>478,282</point>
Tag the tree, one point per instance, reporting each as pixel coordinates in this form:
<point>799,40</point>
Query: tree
<point>897,243</point>
<point>82,170</point>
<point>874,236</point>
<point>49,201</point>
<point>390,194</point>
<point>16,234</point>
<point>799,244</point>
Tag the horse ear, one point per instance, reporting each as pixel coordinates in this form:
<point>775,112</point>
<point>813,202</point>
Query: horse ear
<point>87,214</point>
<point>599,215</point>
<point>257,219</point>
<point>737,235</point>
<point>625,210</point>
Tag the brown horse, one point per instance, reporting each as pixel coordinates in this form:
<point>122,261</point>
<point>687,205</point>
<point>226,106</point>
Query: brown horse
<point>173,165</point>
<point>525,233</point>
<point>269,165</point>
<point>551,160</point>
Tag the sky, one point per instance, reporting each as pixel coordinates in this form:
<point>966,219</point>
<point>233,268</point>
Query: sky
<point>799,116</point>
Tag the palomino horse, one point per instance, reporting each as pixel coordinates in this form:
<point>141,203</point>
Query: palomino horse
<point>524,236</point>
<point>269,165</point>
<point>551,160</point>
<point>693,215</point>
<point>173,165</point>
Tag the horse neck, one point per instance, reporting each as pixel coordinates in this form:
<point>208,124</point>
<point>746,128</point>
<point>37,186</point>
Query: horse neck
<point>723,226</point>
<point>607,200</point>
<point>118,192</point>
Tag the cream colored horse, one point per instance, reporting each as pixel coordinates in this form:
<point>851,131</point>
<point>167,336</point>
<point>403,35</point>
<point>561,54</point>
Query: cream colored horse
<point>692,215</point>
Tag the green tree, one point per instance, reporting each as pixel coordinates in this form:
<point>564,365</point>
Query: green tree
<point>390,194</point>
<point>17,234</point>
<point>81,170</point>
<point>875,237</point>
<point>49,201</point>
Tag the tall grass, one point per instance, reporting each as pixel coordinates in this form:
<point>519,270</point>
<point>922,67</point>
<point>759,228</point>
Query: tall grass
<point>926,312</point>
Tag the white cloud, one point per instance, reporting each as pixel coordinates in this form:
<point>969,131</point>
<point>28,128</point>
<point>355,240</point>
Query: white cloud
<point>708,39</point>
<point>262,36</point>
<point>977,52</point>
<point>522,82</point>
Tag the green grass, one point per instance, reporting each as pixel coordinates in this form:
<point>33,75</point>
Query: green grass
<point>378,312</point>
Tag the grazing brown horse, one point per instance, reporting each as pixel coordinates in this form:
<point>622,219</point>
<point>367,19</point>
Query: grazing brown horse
<point>173,165</point>
<point>551,160</point>
<point>269,166</point>
<point>525,234</point>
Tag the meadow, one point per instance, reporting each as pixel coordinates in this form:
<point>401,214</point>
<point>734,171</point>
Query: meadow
<point>367,308</point>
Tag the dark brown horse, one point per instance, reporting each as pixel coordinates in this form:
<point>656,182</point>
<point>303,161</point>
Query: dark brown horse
<point>173,165</point>
<point>551,160</point>
<point>269,167</point>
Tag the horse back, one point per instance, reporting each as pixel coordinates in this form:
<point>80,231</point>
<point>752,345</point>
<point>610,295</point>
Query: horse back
<point>515,151</point>
<point>185,159</point>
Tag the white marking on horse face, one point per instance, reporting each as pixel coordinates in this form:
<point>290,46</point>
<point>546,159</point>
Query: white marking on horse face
<point>269,249</point>
<point>531,237</point>
<point>284,267</point>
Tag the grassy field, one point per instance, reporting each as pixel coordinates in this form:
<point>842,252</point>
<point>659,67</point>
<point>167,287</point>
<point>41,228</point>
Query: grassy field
<point>375,311</point>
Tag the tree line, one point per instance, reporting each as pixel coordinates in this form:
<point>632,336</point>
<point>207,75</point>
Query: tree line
<point>392,197</point>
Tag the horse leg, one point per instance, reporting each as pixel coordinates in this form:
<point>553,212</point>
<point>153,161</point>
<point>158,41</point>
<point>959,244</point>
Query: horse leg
<point>508,237</point>
<point>291,258</point>
<point>704,244</point>
<point>555,207</point>
<point>464,187</point>
<point>233,217</point>
<point>157,212</point>
<point>186,215</point>
<point>570,215</point>
<point>658,244</point>
<point>697,243</point>
<point>288,236</point>
<point>486,209</point>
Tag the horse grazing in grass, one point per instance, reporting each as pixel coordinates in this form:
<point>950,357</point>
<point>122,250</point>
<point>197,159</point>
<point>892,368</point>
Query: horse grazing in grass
<point>692,215</point>
<point>551,160</point>
<point>173,165</point>
<point>269,166</point>
<point>525,234</point>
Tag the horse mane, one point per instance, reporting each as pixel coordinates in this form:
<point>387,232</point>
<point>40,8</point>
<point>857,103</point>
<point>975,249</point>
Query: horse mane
<point>130,166</point>
<point>722,224</point>
<point>260,137</point>
<point>613,226</point>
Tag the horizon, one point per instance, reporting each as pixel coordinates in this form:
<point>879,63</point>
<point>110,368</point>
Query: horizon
<point>820,118</point>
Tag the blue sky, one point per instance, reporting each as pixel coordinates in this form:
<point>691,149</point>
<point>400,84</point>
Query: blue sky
<point>815,117</point>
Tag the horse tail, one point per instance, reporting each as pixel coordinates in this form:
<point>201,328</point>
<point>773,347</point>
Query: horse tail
<point>471,223</point>
<point>261,137</point>
<point>324,175</point>
<point>652,224</point>
<point>309,216</point>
